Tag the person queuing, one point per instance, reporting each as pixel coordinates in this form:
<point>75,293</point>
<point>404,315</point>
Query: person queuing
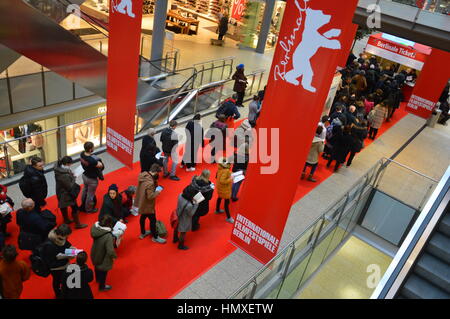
<point>240,162</point>
<point>254,108</point>
<point>376,118</point>
<point>5,219</point>
<point>13,273</point>
<point>33,183</point>
<point>67,191</point>
<point>203,185</point>
<point>195,133</point>
<point>340,148</point>
<point>93,167</point>
<point>224,185</point>
<point>149,150</point>
<point>218,130</point>
<point>186,208</point>
<point>86,275</point>
<point>102,251</point>
<point>240,84</point>
<point>312,161</point>
<point>146,195</point>
<point>169,140</point>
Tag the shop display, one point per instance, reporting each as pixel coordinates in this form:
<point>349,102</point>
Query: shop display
<point>148,7</point>
<point>208,8</point>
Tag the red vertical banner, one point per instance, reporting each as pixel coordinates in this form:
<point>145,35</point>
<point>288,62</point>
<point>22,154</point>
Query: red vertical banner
<point>123,62</point>
<point>238,9</point>
<point>348,37</point>
<point>430,84</point>
<point>303,67</point>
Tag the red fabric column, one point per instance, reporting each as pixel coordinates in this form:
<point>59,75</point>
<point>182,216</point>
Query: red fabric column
<point>430,84</point>
<point>303,67</point>
<point>123,62</point>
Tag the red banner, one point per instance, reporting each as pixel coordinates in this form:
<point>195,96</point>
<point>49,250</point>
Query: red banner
<point>238,9</point>
<point>302,70</point>
<point>123,62</point>
<point>348,37</point>
<point>430,84</point>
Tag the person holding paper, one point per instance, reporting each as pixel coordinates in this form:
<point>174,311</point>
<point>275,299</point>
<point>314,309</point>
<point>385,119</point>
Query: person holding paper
<point>224,182</point>
<point>67,191</point>
<point>185,210</point>
<point>86,276</point>
<point>205,187</point>
<point>112,204</point>
<point>241,159</point>
<point>146,195</point>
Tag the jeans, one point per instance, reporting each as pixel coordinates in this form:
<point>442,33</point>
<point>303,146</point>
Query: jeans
<point>87,197</point>
<point>174,164</point>
<point>235,189</point>
<point>152,218</point>
<point>240,98</point>
<point>100,277</point>
<point>57,282</point>
<point>227,206</point>
<point>313,168</point>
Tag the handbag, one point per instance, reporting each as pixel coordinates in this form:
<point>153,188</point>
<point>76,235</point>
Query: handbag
<point>75,191</point>
<point>174,217</point>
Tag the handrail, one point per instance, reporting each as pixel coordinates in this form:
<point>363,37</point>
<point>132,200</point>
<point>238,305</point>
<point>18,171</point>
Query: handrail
<point>412,245</point>
<point>411,169</point>
<point>215,60</point>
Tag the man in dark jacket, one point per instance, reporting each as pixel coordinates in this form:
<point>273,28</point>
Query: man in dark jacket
<point>169,140</point>
<point>339,115</point>
<point>223,27</point>
<point>240,163</point>
<point>34,227</point>
<point>92,173</point>
<point>203,185</point>
<point>194,141</point>
<point>37,184</point>
<point>240,84</point>
<point>76,279</point>
<point>149,151</point>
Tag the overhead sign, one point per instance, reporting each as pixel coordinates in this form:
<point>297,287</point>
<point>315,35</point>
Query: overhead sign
<point>123,64</point>
<point>303,67</point>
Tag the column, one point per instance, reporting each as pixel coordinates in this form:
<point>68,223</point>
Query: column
<point>265,26</point>
<point>159,30</point>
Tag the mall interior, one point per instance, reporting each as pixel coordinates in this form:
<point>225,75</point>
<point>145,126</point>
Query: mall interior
<point>378,229</point>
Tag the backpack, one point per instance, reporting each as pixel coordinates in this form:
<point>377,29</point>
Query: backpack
<point>38,264</point>
<point>329,134</point>
<point>50,218</point>
<point>222,109</point>
<point>25,186</point>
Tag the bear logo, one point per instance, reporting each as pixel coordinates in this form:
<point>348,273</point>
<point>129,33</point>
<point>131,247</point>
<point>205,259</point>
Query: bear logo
<point>312,41</point>
<point>128,4</point>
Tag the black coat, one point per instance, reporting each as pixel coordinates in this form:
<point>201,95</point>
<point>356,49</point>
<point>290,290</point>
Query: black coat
<point>194,140</point>
<point>240,79</point>
<point>147,158</point>
<point>169,140</point>
<point>33,222</point>
<point>341,147</point>
<point>223,25</point>
<point>112,207</point>
<point>38,183</point>
<point>84,292</point>
<point>205,188</point>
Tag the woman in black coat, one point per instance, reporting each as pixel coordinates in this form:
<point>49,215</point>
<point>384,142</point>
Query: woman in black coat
<point>223,27</point>
<point>203,185</point>
<point>112,205</point>
<point>195,135</point>
<point>83,291</point>
<point>340,148</point>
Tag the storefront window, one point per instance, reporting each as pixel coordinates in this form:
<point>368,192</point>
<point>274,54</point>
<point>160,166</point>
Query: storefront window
<point>251,24</point>
<point>275,26</point>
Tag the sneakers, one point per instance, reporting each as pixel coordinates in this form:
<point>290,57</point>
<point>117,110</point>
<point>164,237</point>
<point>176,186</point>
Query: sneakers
<point>311,179</point>
<point>159,240</point>
<point>182,247</point>
<point>230,220</point>
<point>106,288</point>
<point>166,175</point>
<point>142,236</point>
<point>234,199</point>
<point>220,211</point>
<point>174,178</point>
<point>192,169</point>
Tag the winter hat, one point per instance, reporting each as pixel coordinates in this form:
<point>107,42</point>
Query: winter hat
<point>240,66</point>
<point>113,187</point>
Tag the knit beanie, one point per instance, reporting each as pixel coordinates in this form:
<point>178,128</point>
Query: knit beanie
<point>113,187</point>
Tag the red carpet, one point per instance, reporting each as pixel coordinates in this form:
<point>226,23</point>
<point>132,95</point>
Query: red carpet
<point>148,270</point>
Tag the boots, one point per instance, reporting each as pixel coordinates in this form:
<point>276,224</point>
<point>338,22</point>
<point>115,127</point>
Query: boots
<point>311,179</point>
<point>78,225</point>
<point>175,237</point>
<point>181,245</point>
<point>65,215</point>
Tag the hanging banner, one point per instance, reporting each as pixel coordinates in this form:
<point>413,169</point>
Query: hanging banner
<point>238,9</point>
<point>430,84</point>
<point>348,38</point>
<point>302,70</point>
<point>123,62</point>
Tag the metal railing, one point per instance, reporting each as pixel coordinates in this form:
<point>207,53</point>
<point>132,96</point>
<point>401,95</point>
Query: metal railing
<point>292,268</point>
<point>54,143</point>
<point>436,6</point>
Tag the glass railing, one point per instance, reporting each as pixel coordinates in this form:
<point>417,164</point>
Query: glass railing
<point>286,274</point>
<point>68,139</point>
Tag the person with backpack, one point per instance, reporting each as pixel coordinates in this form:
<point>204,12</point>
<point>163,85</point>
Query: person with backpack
<point>203,185</point>
<point>54,255</point>
<point>224,185</point>
<point>67,191</point>
<point>86,275</point>
<point>169,140</point>
<point>93,167</point>
<point>146,195</point>
<point>217,131</point>
<point>33,183</point>
<point>229,109</point>
<point>195,133</point>
<point>34,226</point>
<point>312,161</point>
<point>102,251</point>
<point>240,84</point>
<point>186,208</point>
<point>12,273</point>
<point>5,219</point>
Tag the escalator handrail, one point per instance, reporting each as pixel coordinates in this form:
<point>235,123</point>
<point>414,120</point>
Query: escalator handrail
<point>414,242</point>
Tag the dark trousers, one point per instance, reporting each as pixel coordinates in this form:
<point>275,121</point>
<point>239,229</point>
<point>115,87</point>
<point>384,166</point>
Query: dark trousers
<point>313,168</point>
<point>65,213</point>
<point>100,277</point>
<point>373,132</point>
<point>57,276</point>
<point>351,157</point>
<point>235,189</point>
<point>337,165</point>
<point>227,206</point>
<point>221,36</point>
<point>240,98</point>
<point>152,218</point>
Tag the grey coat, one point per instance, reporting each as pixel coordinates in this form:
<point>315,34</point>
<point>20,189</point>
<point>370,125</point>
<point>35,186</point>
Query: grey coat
<point>185,211</point>
<point>64,182</point>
